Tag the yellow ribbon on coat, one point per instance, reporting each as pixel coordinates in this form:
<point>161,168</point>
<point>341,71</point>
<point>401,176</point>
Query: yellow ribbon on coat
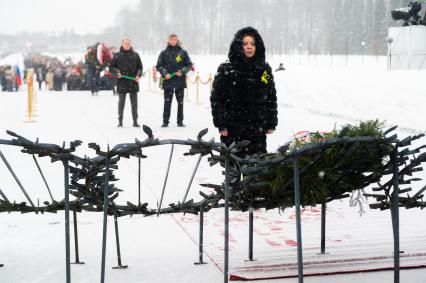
<point>265,77</point>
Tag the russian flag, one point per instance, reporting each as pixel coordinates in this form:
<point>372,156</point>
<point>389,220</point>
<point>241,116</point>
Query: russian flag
<point>18,77</point>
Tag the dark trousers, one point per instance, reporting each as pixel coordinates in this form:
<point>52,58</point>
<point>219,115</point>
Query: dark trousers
<point>57,83</point>
<point>93,79</point>
<point>168,97</point>
<point>113,82</point>
<point>133,102</point>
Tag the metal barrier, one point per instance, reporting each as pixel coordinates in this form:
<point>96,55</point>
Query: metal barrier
<point>97,192</point>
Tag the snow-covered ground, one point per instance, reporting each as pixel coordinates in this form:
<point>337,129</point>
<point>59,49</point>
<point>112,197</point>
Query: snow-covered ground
<point>312,95</point>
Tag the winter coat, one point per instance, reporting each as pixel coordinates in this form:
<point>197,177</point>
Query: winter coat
<point>74,82</point>
<point>243,97</point>
<point>127,63</point>
<point>10,76</point>
<point>171,60</point>
<point>40,73</point>
<point>91,58</point>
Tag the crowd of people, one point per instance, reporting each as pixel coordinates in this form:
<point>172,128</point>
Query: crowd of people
<point>53,74</point>
<point>10,79</point>
<point>50,72</point>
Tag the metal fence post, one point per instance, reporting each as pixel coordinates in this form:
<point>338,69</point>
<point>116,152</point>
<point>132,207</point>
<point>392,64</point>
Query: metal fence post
<point>105,223</point>
<point>67,221</point>
<point>298,219</point>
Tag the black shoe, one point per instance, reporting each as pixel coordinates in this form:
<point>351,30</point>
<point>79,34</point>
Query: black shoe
<point>120,125</point>
<point>136,125</point>
<point>181,124</point>
<point>165,125</point>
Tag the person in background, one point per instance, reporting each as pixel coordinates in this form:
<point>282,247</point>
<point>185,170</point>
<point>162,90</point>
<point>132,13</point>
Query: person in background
<point>58,76</point>
<point>127,66</point>
<point>2,82</point>
<point>93,70</point>
<point>173,64</point>
<point>41,75</point>
<point>280,68</point>
<point>49,79</point>
<point>9,78</point>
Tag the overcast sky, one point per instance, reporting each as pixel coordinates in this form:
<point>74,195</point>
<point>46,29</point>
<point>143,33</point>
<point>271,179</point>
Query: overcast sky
<point>83,16</point>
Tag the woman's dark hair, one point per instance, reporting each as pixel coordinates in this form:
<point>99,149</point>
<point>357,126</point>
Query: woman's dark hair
<point>236,53</point>
<point>249,34</point>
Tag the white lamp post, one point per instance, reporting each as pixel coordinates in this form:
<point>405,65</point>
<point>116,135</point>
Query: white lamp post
<point>363,50</point>
<point>389,40</point>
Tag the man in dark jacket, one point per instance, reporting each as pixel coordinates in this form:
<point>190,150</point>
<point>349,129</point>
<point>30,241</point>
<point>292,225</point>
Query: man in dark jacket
<point>41,74</point>
<point>127,66</point>
<point>243,98</point>
<point>93,70</point>
<point>173,64</point>
<point>58,78</point>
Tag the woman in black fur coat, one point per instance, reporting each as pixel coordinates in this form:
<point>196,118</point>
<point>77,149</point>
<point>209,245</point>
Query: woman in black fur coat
<point>243,98</point>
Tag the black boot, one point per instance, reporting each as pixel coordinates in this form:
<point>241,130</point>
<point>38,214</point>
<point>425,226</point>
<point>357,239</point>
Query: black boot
<point>120,123</point>
<point>136,125</point>
<point>165,125</point>
<point>180,124</point>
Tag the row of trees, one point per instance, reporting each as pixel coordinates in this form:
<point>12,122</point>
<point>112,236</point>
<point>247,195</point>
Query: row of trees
<point>208,26</point>
<point>313,26</point>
